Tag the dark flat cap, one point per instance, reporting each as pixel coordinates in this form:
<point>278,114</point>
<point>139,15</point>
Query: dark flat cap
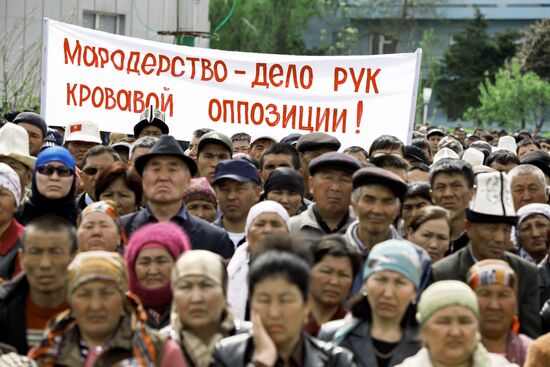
<point>317,140</point>
<point>538,158</point>
<point>412,151</point>
<point>334,160</point>
<point>380,176</point>
<point>34,119</point>
<point>435,132</point>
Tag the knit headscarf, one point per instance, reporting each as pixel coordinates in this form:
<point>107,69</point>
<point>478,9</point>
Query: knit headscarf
<point>267,206</point>
<point>443,294</point>
<point>491,271</point>
<point>9,180</point>
<point>200,189</point>
<point>166,234</point>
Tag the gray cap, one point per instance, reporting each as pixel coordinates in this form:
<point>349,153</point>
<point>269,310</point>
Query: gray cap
<point>317,140</point>
<point>214,137</point>
<point>336,161</point>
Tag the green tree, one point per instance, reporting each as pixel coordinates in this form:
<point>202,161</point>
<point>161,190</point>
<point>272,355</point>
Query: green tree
<point>513,97</point>
<point>473,56</point>
<point>534,54</point>
<point>264,26</point>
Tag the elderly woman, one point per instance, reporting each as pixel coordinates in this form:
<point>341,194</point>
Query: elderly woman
<point>382,331</point>
<point>151,252</point>
<point>99,227</point>
<point>200,313</point>
<point>278,302</point>
<point>448,315</point>
<point>495,285</point>
<point>105,326</point>
<point>430,228</point>
<point>10,229</point>
<point>53,187</point>
<point>336,264</point>
<point>533,231</point>
<point>264,219</point>
<point>121,184</point>
<point>200,199</point>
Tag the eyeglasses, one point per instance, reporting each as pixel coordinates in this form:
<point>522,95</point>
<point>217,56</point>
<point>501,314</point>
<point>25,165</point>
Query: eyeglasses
<point>62,171</point>
<point>90,171</point>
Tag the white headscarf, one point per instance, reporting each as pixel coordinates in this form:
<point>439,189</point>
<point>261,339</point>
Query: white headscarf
<point>267,206</point>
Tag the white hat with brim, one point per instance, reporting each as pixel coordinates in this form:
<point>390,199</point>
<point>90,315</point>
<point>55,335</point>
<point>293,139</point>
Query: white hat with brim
<point>14,144</point>
<point>87,131</point>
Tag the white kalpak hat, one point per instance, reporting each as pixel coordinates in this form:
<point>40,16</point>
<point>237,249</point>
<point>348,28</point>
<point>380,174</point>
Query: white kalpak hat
<point>473,156</point>
<point>506,142</point>
<point>444,153</point>
<point>492,202</point>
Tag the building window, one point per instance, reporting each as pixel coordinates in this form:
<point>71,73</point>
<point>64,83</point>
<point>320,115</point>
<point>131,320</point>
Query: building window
<point>382,44</point>
<point>112,23</point>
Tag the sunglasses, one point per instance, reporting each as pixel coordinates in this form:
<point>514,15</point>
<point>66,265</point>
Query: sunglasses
<point>90,171</point>
<point>62,171</point>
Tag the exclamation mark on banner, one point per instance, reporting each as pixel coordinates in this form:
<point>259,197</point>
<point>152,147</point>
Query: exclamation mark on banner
<point>359,115</point>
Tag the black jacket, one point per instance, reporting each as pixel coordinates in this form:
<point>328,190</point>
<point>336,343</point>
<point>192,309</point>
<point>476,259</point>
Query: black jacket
<point>544,280</point>
<point>358,340</point>
<point>238,350</point>
<point>13,327</point>
<point>456,267</point>
<point>203,235</point>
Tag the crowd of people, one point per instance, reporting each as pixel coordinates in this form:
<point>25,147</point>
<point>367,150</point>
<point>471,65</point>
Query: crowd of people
<point>143,250</point>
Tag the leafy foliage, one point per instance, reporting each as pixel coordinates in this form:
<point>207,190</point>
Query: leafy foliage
<point>534,54</point>
<point>514,97</point>
<point>473,56</point>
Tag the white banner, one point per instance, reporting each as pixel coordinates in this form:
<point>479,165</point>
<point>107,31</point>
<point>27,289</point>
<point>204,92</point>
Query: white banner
<point>110,79</point>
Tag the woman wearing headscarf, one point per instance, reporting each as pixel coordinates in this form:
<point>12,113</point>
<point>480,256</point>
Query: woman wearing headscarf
<point>448,315</point>
<point>382,332</point>
<point>104,326</point>
<point>151,252</point>
<point>264,219</point>
<point>533,232</point>
<point>53,187</point>
<point>495,285</point>
<point>10,229</point>
<point>99,228</point>
<point>200,314</point>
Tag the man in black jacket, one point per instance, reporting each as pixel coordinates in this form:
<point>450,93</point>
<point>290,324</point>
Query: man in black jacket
<point>166,172</point>
<point>29,300</point>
